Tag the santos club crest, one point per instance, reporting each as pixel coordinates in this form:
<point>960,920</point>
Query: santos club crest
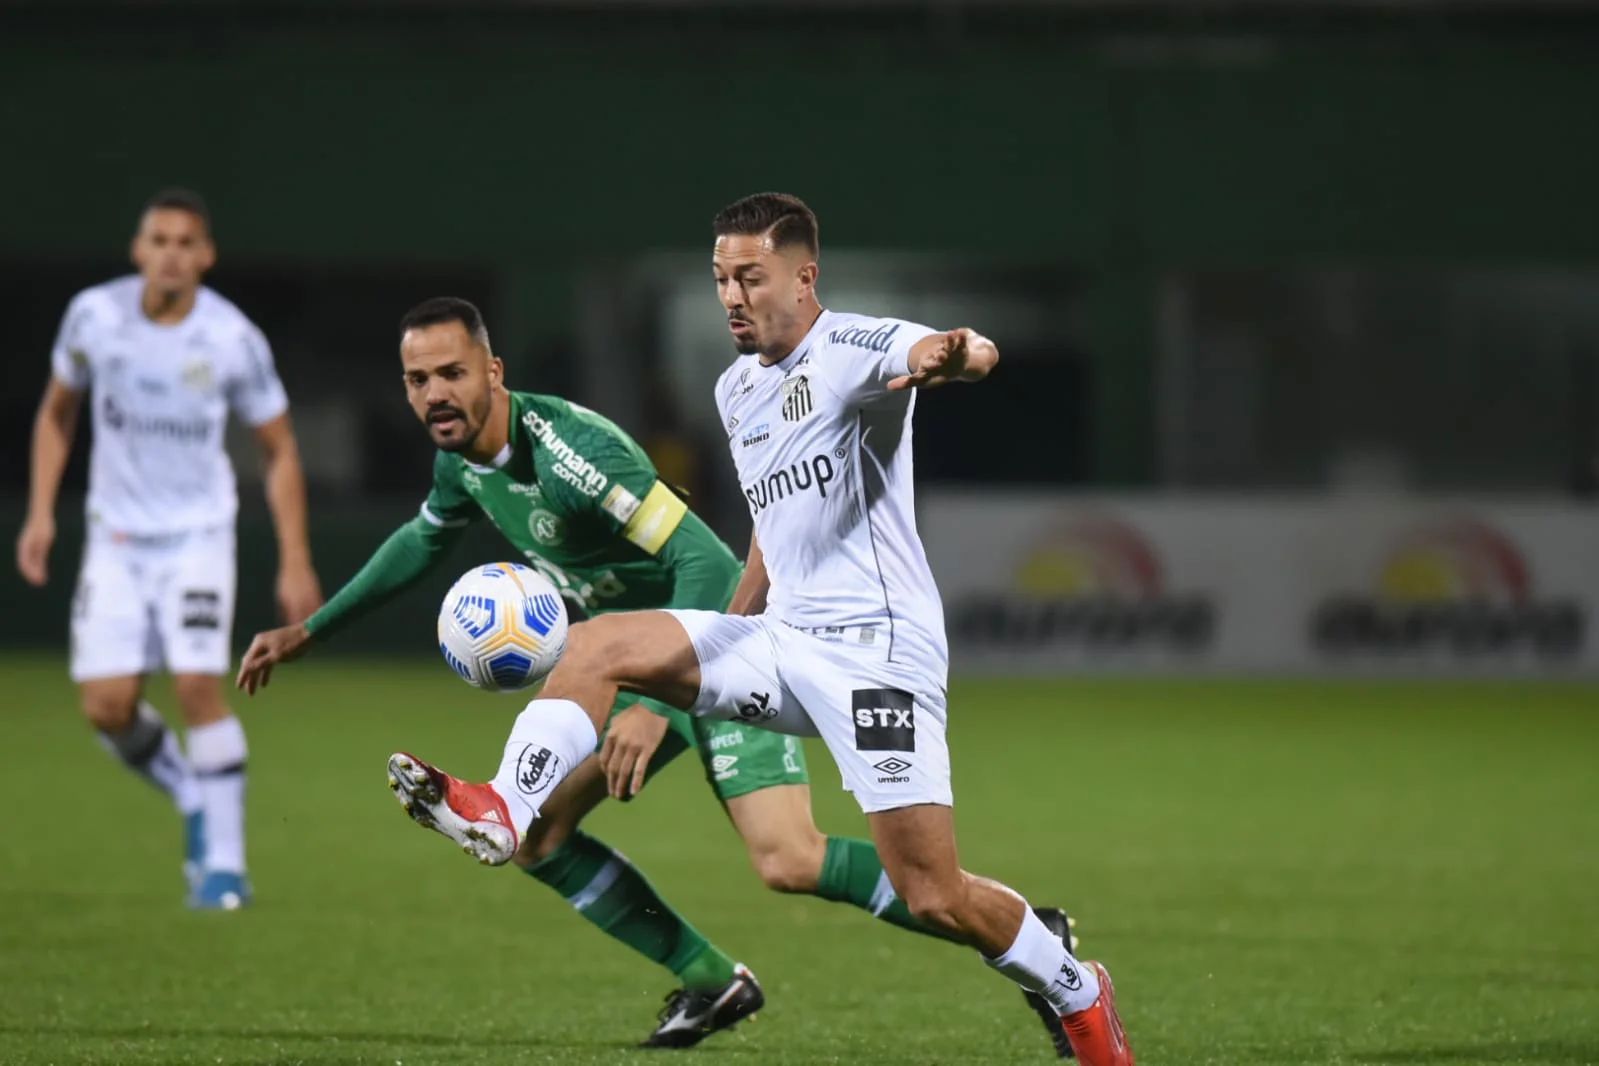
<point>796,398</point>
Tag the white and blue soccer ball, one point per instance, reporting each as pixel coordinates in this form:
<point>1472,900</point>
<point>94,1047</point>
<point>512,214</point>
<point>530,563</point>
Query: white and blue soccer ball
<point>502,627</point>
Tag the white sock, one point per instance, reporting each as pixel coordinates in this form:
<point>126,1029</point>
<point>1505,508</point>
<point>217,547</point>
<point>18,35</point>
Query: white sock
<point>547,742</point>
<point>1039,962</point>
<point>151,750</point>
<point>218,751</point>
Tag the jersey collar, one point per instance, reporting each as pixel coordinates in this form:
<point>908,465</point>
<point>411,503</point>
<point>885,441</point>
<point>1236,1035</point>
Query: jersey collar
<point>498,464</point>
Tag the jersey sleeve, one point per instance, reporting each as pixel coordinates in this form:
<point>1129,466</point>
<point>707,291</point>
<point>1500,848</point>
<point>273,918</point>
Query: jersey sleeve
<point>449,505</point>
<point>255,393</point>
<point>858,360</point>
<point>69,361</point>
<point>601,473</point>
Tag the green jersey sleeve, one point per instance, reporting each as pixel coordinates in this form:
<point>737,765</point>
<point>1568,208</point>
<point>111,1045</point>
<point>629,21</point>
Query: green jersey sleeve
<point>407,556</point>
<point>449,505</point>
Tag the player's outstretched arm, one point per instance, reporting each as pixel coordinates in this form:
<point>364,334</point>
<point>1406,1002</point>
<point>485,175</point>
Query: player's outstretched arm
<point>410,553</point>
<point>299,592</point>
<point>53,429</point>
<point>958,355</point>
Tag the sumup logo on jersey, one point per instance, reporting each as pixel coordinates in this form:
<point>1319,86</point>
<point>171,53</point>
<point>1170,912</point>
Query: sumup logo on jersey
<point>815,472</point>
<point>178,430</point>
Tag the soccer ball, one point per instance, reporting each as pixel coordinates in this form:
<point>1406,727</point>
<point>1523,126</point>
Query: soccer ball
<point>502,627</point>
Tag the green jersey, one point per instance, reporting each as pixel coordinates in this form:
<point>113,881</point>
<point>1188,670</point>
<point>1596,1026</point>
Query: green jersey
<point>582,502</point>
<point>579,499</point>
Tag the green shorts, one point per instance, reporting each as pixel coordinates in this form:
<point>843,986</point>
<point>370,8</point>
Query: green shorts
<point>738,759</point>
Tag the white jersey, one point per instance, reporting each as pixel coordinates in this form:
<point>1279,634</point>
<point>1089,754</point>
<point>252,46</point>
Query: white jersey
<point>823,453</point>
<point>160,397</point>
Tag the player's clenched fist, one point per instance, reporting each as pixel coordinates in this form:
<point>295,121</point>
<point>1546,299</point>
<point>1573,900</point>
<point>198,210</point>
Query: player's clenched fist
<point>958,355</point>
<point>268,650</point>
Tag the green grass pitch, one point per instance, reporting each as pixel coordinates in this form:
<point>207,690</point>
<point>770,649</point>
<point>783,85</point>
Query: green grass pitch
<point>1282,873</point>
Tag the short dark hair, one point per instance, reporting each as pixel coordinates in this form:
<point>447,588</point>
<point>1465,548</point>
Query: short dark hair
<point>442,309</point>
<point>177,198</point>
<point>785,217</point>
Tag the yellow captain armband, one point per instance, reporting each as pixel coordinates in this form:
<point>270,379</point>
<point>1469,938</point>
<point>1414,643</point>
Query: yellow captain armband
<point>650,521</point>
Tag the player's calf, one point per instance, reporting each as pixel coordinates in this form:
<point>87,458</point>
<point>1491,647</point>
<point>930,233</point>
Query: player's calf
<point>135,734</point>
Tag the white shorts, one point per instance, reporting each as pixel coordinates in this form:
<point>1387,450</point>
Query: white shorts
<point>884,722</point>
<point>147,603</point>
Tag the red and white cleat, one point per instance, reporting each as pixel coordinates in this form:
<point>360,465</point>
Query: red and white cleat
<point>1096,1033</point>
<point>474,816</point>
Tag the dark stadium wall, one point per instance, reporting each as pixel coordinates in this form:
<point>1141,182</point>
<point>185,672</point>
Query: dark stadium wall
<point>536,153</point>
<point>343,141</point>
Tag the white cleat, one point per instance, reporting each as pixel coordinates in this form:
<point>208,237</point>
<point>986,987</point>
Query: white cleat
<point>474,816</point>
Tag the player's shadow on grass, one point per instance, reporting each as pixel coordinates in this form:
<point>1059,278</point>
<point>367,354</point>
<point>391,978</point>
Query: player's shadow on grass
<point>1544,1053</point>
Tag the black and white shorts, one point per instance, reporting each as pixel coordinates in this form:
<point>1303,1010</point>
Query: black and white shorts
<point>884,722</point>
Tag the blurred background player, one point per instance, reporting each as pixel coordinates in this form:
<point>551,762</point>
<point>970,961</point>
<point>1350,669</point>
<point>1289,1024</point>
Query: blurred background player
<point>580,500</point>
<point>166,359</point>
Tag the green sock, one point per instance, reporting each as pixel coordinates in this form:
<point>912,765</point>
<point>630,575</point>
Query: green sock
<point>851,873</point>
<point>610,892</point>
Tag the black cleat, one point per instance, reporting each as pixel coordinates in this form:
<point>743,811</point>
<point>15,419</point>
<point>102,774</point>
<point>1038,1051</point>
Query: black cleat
<point>1061,926</point>
<point>691,1016</point>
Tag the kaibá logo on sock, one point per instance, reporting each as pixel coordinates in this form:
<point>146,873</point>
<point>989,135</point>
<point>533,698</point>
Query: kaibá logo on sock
<point>1069,978</point>
<point>535,769</point>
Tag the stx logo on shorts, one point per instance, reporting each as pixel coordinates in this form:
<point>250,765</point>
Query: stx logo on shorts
<point>885,719</point>
<point>536,769</point>
<point>202,609</point>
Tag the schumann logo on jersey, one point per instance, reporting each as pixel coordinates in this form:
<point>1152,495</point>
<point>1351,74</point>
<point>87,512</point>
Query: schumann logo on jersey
<point>796,398</point>
<point>571,466</point>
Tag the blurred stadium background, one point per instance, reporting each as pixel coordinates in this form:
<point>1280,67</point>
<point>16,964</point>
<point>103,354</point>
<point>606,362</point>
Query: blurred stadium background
<point>1298,413</point>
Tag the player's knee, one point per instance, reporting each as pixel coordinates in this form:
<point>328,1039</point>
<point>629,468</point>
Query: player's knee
<point>786,869</point>
<point>109,710</point>
<point>199,698</point>
<point>596,645</point>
